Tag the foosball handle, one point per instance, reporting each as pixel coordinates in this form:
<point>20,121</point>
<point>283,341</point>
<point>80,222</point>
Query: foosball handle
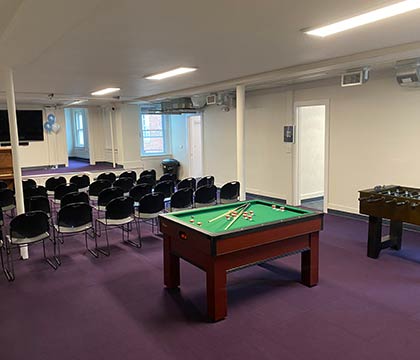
<point>376,200</point>
<point>414,205</point>
<point>401,203</point>
<point>390,201</point>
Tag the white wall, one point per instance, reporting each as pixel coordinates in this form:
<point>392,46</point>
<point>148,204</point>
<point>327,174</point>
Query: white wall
<point>179,133</point>
<point>374,132</point>
<point>311,132</point>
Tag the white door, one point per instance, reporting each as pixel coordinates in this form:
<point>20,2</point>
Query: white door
<point>310,155</point>
<point>195,146</point>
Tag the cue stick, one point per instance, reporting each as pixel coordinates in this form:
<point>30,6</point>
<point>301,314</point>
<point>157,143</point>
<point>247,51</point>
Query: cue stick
<point>239,215</point>
<point>227,213</point>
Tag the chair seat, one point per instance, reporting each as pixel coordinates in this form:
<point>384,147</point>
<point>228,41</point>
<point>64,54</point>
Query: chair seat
<point>116,221</point>
<point>146,216</point>
<point>69,229</point>
<point>99,208</point>
<point>8,207</point>
<point>200,205</point>
<point>22,241</point>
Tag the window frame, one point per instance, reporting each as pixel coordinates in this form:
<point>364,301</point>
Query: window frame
<point>77,130</point>
<point>165,136</point>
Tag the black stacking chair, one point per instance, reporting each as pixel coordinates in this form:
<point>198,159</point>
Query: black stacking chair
<point>74,197</point>
<point>96,187</point>
<point>119,212</point>
<point>35,191</point>
<point>106,195</point>
<point>38,203</point>
<point>81,181</point>
<point>128,174</point>
<point>125,183</point>
<point>165,187</point>
<point>71,220</point>
<point>182,200</point>
<point>166,177</point>
<point>28,183</point>
<point>3,185</point>
<point>7,201</point>
<point>205,196</point>
<point>147,179</point>
<point>150,206</point>
<point>53,182</point>
<point>110,176</point>
<point>229,192</point>
<point>62,190</point>
<point>205,181</point>
<point>26,229</point>
<point>147,173</point>
<point>138,191</point>
<point>2,245</point>
<point>188,183</point>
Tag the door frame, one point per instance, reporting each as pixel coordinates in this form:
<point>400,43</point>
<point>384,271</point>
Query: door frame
<point>189,141</point>
<point>296,156</point>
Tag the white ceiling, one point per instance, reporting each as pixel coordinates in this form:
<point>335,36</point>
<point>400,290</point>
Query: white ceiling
<point>71,48</point>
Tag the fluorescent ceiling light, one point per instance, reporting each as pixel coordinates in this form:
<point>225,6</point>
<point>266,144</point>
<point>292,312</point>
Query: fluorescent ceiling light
<point>399,8</point>
<point>77,102</point>
<point>170,73</point>
<point>105,91</point>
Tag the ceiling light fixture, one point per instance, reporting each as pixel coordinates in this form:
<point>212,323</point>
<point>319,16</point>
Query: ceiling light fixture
<point>105,91</point>
<point>77,102</point>
<point>399,8</point>
<point>170,73</point>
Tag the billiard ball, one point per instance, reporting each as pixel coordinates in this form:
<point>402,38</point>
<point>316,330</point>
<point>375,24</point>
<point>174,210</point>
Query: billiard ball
<point>273,206</point>
<point>199,223</point>
<point>191,221</point>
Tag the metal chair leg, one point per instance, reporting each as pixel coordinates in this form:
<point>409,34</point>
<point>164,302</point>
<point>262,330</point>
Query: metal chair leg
<point>6,271</point>
<point>48,260</point>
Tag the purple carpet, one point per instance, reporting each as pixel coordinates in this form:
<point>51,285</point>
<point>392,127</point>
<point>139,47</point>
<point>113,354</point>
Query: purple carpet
<point>117,308</point>
<point>74,166</point>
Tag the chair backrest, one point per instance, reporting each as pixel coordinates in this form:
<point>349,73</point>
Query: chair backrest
<point>53,182</point>
<point>166,177</point>
<point>106,195</point>
<point>29,225</point>
<point>28,183</point>
<point>138,191</point>
<point>130,174</point>
<point>81,181</point>
<point>97,186</point>
<point>74,215</point>
<point>147,179</point>
<point>120,208</point>
<point>125,183</point>
<point>182,199</point>
<point>205,181</point>
<point>64,189</point>
<point>230,191</point>
<point>38,203</point>
<point>206,195</point>
<point>188,183</point>
<point>36,191</point>
<point>110,176</point>
<point>149,172</point>
<point>7,197</point>
<point>152,203</point>
<point>3,184</point>
<point>165,187</point>
<point>74,197</point>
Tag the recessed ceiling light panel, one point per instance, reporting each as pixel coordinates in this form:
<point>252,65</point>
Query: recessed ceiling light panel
<point>399,8</point>
<point>105,91</point>
<point>171,73</point>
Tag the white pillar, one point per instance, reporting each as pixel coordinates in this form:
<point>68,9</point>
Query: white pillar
<point>14,139</point>
<point>240,139</point>
<point>111,128</point>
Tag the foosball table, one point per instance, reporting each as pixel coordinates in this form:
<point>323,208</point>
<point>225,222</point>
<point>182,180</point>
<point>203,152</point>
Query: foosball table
<point>398,204</point>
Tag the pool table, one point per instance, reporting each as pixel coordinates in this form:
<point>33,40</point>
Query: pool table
<point>217,246</point>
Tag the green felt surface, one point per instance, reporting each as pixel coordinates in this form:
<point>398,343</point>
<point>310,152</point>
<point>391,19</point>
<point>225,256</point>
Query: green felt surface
<point>263,213</point>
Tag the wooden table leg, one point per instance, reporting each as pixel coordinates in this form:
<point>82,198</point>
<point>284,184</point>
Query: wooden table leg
<point>395,234</point>
<point>170,265</point>
<point>216,293</point>
<point>310,262</point>
<point>374,237</point>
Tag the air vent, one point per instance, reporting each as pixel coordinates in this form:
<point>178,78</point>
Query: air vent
<point>354,78</point>
<point>408,72</point>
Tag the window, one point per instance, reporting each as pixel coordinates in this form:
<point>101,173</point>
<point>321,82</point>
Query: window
<point>154,134</point>
<point>79,129</point>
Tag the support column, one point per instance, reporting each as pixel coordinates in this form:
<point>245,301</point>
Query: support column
<point>14,140</point>
<point>240,139</point>
<point>111,128</point>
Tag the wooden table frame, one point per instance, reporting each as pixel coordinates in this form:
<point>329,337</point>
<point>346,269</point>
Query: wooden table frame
<point>216,256</point>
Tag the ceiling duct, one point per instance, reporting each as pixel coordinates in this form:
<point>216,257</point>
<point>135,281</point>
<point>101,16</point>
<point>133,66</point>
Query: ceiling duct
<point>408,72</point>
<point>175,106</point>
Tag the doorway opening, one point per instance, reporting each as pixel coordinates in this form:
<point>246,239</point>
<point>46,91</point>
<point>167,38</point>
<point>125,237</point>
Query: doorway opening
<point>195,141</point>
<point>77,136</point>
<point>311,160</point>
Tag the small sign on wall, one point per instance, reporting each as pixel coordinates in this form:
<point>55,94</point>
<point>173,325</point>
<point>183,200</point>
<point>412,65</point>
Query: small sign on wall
<point>289,134</point>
